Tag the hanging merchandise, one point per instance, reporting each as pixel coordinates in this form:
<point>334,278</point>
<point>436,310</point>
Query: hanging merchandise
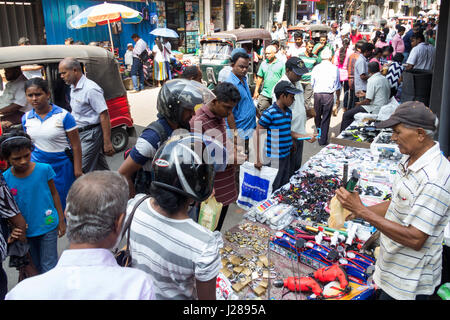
<point>145,14</point>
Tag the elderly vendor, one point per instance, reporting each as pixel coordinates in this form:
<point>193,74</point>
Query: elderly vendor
<point>412,223</point>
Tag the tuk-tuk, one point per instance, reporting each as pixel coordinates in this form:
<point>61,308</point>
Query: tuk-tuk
<point>98,64</point>
<point>315,30</point>
<point>366,28</point>
<point>217,47</point>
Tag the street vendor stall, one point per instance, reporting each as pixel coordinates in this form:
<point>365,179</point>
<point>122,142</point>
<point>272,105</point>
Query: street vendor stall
<point>285,247</point>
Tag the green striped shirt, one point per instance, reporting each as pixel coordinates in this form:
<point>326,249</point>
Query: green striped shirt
<point>310,62</point>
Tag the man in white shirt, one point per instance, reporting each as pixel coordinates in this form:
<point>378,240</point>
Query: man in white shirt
<point>91,114</point>
<point>13,102</point>
<point>325,81</point>
<point>377,95</point>
<point>421,55</point>
<point>137,69</point>
<point>295,68</point>
<point>412,223</point>
<point>296,49</point>
<point>95,213</point>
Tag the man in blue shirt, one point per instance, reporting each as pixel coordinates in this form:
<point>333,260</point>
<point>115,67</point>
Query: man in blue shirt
<point>277,121</point>
<point>407,40</point>
<point>242,121</point>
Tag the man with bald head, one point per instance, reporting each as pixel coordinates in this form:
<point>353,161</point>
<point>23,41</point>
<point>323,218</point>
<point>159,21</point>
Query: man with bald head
<point>269,73</point>
<point>91,114</point>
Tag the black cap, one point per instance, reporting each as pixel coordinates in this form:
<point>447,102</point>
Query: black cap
<point>297,65</point>
<point>285,87</point>
<point>412,113</point>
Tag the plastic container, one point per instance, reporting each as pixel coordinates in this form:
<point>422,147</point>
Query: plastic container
<point>377,148</point>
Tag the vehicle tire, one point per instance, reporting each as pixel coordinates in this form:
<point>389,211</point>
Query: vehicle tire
<point>119,138</point>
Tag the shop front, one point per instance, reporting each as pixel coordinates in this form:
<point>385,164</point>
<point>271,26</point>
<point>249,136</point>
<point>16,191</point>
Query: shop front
<point>183,17</point>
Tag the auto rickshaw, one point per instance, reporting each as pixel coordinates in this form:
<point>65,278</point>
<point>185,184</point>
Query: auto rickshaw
<point>98,65</point>
<point>217,48</point>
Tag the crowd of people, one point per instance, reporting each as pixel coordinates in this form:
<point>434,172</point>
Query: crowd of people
<point>57,181</point>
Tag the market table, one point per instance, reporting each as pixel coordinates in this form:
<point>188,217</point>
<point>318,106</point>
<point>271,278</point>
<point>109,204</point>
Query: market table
<point>250,268</point>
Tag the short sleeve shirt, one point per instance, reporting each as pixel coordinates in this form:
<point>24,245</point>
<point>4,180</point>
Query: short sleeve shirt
<point>147,144</point>
<point>87,102</point>
<point>378,91</point>
<point>34,199</point>
<point>361,67</point>
<point>15,93</point>
<point>420,198</point>
<point>278,125</point>
<point>422,56</point>
<point>271,73</point>
<point>245,111</point>
<point>309,62</point>
<point>49,134</point>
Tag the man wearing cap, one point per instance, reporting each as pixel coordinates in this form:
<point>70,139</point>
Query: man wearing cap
<point>334,36</point>
<point>325,81</point>
<point>277,121</point>
<point>295,68</point>
<point>128,57</point>
<point>412,223</point>
<point>270,71</point>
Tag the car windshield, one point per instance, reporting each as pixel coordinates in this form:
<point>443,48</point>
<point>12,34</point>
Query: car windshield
<point>365,28</point>
<point>216,50</point>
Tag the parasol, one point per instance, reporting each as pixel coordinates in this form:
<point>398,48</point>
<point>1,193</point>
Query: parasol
<point>105,13</point>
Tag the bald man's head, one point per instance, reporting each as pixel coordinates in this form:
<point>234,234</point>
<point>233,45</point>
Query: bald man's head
<point>271,51</point>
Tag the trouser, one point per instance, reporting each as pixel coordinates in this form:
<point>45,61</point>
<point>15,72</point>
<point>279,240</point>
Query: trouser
<point>43,250</point>
<point>349,116</point>
<point>223,213</point>
<point>92,149</point>
<point>382,295</point>
<point>263,102</point>
<point>3,282</point>
<point>346,88</point>
<point>137,69</point>
<point>308,94</point>
<point>323,105</point>
<point>351,99</point>
<point>296,157</point>
<point>284,171</point>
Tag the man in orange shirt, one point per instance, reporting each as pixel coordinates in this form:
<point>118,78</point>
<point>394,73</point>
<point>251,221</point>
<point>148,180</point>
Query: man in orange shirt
<point>351,74</point>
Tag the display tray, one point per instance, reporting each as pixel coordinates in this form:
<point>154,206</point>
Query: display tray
<point>350,143</point>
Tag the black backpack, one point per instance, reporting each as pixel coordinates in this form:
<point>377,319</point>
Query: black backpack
<point>142,179</point>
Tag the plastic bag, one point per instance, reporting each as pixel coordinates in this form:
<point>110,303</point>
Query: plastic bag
<point>209,214</point>
<point>254,185</point>
<point>388,109</point>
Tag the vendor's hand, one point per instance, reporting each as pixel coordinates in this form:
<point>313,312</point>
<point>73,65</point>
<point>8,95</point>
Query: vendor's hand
<point>61,228</point>
<point>108,148</point>
<point>16,234</point>
<point>77,173</point>
<point>256,95</point>
<point>6,124</point>
<point>350,200</point>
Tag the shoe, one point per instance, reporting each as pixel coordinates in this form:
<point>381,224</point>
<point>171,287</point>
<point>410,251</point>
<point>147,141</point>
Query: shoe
<point>335,111</point>
<point>133,91</point>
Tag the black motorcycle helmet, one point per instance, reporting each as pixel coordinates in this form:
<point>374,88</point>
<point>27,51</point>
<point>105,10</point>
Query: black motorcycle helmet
<point>180,166</point>
<point>179,94</point>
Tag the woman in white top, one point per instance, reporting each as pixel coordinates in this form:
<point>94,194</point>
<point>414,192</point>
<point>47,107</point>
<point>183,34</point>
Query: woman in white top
<point>55,136</point>
<point>160,67</point>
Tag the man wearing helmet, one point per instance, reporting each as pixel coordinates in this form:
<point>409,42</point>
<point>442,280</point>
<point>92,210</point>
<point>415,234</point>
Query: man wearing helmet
<point>181,256</point>
<point>176,102</point>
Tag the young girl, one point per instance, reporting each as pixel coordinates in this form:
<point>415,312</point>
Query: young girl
<point>33,188</point>
<point>55,134</point>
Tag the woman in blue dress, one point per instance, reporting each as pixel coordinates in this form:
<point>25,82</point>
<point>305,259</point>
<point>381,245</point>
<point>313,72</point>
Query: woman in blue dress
<point>55,136</point>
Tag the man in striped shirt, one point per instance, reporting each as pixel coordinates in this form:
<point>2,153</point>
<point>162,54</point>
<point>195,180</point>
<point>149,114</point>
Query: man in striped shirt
<point>411,224</point>
<point>277,121</point>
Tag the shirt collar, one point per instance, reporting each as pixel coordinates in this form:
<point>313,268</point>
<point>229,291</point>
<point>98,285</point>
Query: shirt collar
<point>80,83</point>
<point>209,113</point>
<point>235,80</point>
<point>425,159</point>
<point>87,257</point>
<point>55,109</point>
